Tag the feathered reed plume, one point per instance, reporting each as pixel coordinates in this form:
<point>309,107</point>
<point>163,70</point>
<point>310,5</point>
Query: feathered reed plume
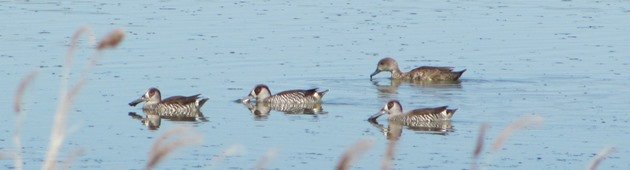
<point>2,157</point>
<point>17,107</point>
<point>510,129</point>
<point>600,157</point>
<point>162,147</point>
<point>479,147</point>
<point>351,154</point>
<point>71,158</point>
<point>58,132</point>
<point>389,155</point>
<point>502,137</point>
<point>266,159</point>
<point>112,40</point>
<point>232,150</point>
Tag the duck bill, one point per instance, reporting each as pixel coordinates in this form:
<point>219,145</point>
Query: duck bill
<point>247,99</point>
<point>375,116</point>
<point>374,73</point>
<point>135,102</point>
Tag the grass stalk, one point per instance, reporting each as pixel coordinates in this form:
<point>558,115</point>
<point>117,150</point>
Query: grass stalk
<point>230,151</point>
<point>513,127</point>
<point>71,158</point>
<point>603,154</point>
<point>479,146</point>
<point>162,147</point>
<point>352,153</point>
<point>266,159</point>
<point>58,132</point>
<point>17,107</point>
<point>389,155</point>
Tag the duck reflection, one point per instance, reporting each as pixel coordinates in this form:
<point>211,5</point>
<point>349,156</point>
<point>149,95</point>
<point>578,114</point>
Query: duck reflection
<point>261,110</point>
<point>152,118</point>
<point>394,129</point>
<point>392,88</point>
<point>437,87</point>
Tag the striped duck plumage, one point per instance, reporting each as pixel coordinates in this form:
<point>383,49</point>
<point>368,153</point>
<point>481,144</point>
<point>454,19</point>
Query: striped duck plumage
<point>262,94</point>
<point>394,112</point>
<point>173,107</point>
<point>263,108</point>
<point>424,73</point>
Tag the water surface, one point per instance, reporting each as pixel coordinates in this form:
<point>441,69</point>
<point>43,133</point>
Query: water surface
<point>562,60</point>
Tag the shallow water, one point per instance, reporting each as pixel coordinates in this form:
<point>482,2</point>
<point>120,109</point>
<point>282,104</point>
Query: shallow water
<point>563,60</point>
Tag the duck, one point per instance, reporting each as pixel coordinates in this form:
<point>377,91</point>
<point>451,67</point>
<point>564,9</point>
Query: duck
<point>423,73</point>
<point>262,94</point>
<point>394,112</point>
<point>175,106</point>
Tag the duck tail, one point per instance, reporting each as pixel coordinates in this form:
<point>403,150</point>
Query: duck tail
<point>459,74</point>
<point>321,94</point>
<point>201,101</point>
<point>450,112</point>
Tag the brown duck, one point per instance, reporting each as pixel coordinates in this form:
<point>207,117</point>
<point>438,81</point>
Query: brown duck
<point>424,73</point>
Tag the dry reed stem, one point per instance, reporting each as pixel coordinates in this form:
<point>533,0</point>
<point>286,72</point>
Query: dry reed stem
<point>71,158</point>
<point>389,155</point>
<point>351,154</point>
<point>21,89</point>
<point>479,147</point>
<point>166,135</point>
<point>108,42</point>
<point>520,124</point>
<point>264,161</point>
<point>58,131</point>
<point>154,154</point>
<point>70,53</point>
<point>17,107</point>
<point>600,157</point>
<point>230,151</point>
<point>161,148</point>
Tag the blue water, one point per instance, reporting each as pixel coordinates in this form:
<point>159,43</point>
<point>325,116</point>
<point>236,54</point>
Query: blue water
<point>564,61</point>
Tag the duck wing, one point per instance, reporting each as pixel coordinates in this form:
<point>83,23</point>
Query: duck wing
<point>435,73</point>
<point>427,111</point>
<point>308,92</point>
<point>182,100</point>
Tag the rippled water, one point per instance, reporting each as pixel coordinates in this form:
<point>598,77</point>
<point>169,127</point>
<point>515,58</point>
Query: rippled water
<point>565,61</point>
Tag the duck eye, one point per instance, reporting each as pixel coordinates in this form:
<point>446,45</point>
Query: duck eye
<point>257,90</point>
<point>151,93</point>
<point>390,105</point>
